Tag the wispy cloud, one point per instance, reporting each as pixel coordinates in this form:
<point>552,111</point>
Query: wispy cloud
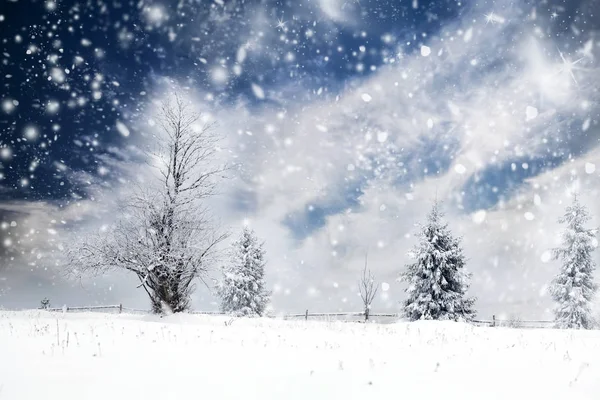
<point>484,97</point>
<point>493,116</point>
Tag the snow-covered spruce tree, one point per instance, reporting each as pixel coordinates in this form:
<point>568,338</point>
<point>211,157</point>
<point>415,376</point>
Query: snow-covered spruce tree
<point>573,288</point>
<point>437,280</point>
<point>45,304</point>
<point>164,234</point>
<point>242,289</point>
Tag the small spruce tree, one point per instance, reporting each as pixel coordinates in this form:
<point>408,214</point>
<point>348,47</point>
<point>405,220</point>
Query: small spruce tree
<point>437,280</point>
<point>242,289</point>
<point>573,288</point>
<point>45,303</point>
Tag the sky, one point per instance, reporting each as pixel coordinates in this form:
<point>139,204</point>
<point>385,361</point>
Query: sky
<point>343,121</point>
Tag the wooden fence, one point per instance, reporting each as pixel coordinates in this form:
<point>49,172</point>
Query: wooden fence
<point>515,323</point>
<point>381,318</point>
<point>114,308</point>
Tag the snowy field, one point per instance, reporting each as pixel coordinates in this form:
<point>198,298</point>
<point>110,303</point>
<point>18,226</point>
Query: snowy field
<point>105,356</point>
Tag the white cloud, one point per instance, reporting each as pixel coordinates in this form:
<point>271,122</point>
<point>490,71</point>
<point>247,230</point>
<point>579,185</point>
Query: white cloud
<point>334,10</point>
<point>480,109</point>
<point>384,145</point>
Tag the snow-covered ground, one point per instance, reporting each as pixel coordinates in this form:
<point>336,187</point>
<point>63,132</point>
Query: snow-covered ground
<point>105,356</point>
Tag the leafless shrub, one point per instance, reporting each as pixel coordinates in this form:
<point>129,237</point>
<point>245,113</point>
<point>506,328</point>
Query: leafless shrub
<point>368,289</point>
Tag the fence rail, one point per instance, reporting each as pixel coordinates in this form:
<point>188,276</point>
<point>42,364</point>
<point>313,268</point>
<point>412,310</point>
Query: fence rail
<point>514,323</point>
<point>359,316</point>
<point>88,308</point>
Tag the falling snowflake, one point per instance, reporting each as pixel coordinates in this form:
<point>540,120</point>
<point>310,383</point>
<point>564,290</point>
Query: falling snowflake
<point>258,91</point>
<point>460,169</point>
<point>122,128</point>
<point>530,113</point>
<point>590,168</point>
<point>479,216</point>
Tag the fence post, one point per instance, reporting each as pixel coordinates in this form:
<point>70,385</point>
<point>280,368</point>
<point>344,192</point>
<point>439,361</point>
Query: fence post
<point>306,316</point>
<point>120,308</point>
<point>493,320</point>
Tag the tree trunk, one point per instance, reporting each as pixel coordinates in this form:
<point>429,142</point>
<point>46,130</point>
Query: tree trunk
<point>167,296</point>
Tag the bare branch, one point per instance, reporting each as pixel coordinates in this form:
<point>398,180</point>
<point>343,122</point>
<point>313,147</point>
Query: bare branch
<point>367,288</point>
<point>164,235</point>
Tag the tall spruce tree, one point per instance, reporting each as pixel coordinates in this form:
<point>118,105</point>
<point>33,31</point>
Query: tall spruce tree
<point>437,280</point>
<point>573,288</point>
<point>242,289</point>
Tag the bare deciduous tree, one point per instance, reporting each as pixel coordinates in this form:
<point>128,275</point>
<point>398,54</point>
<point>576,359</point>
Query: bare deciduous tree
<point>368,289</point>
<point>165,234</point>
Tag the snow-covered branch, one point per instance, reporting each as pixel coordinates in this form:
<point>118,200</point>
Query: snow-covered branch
<point>165,234</point>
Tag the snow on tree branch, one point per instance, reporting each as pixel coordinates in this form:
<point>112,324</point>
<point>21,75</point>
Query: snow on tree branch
<point>242,288</point>
<point>573,289</point>
<point>437,280</point>
<point>367,288</point>
<point>165,234</point>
